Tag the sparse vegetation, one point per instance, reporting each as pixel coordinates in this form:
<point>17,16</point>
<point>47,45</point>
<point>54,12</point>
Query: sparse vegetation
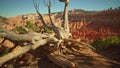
<point>104,43</point>
<point>21,30</point>
<point>48,30</point>
<point>29,26</point>
<point>6,51</point>
<point>32,26</point>
<point>3,18</point>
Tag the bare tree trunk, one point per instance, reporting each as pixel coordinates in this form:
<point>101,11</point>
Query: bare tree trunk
<point>65,16</point>
<point>60,32</point>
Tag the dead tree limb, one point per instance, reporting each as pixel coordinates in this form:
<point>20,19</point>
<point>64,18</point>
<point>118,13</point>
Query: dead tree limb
<point>19,37</point>
<point>45,38</point>
<point>21,51</point>
<point>48,4</point>
<point>36,6</point>
<point>60,61</point>
<point>14,54</point>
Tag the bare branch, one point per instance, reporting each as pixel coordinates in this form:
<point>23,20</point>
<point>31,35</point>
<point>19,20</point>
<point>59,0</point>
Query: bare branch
<point>14,54</point>
<point>24,49</point>
<point>60,32</point>
<point>48,4</point>
<point>36,5</point>
<point>49,11</point>
<point>15,37</point>
<point>40,40</point>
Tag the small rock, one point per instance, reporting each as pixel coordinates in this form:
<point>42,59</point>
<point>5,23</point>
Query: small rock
<point>1,39</point>
<point>18,47</point>
<point>8,44</point>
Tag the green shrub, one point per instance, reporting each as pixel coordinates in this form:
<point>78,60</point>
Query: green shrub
<point>47,30</point>
<point>30,26</point>
<point>5,51</point>
<point>21,30</point>
<point>104,43</point>
<point>3,18</point>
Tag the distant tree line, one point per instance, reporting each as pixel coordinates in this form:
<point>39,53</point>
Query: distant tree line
<point>3,20</point>
<point>112,9</point>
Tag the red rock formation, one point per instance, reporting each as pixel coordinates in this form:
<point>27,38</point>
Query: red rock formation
<point>89,26</point>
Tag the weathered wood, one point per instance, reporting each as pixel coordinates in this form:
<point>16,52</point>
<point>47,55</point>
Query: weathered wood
<point>30,37</point>
<point>18,37</point>
<point>65,16</point>
<point>25,49</point>
<point>36,6</point>
<point>39,40</point>
<point>60,61</point>
<point>14,54</point>
<point>62,33</point>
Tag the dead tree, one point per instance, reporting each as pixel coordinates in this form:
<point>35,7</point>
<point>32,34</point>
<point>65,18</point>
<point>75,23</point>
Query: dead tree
<point>61,32</point>
<point>34,40</point>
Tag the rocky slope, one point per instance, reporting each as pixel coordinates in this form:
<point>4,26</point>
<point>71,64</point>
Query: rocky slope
<point>85,25</point>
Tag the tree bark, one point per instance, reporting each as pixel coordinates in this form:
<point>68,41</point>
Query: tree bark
<point>19,37</point>
<point>45,38</point>
<point>14,54</point>
<point>60,61</point>
<point>65,16</point>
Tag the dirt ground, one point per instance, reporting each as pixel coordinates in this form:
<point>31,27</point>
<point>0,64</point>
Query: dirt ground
<point>103,59</point>
<point>108,58</point>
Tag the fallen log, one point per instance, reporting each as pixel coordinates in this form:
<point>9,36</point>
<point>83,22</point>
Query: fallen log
<point>14,54</point>
<point>25,49</point>
<point>60,61</point>
<point>19,37</point>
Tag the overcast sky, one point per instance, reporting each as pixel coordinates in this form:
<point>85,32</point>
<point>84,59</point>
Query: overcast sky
<point>9,8</point>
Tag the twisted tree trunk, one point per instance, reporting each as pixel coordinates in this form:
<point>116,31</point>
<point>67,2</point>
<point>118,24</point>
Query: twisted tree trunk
<point>36,40</point>
<point>65,16</point>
